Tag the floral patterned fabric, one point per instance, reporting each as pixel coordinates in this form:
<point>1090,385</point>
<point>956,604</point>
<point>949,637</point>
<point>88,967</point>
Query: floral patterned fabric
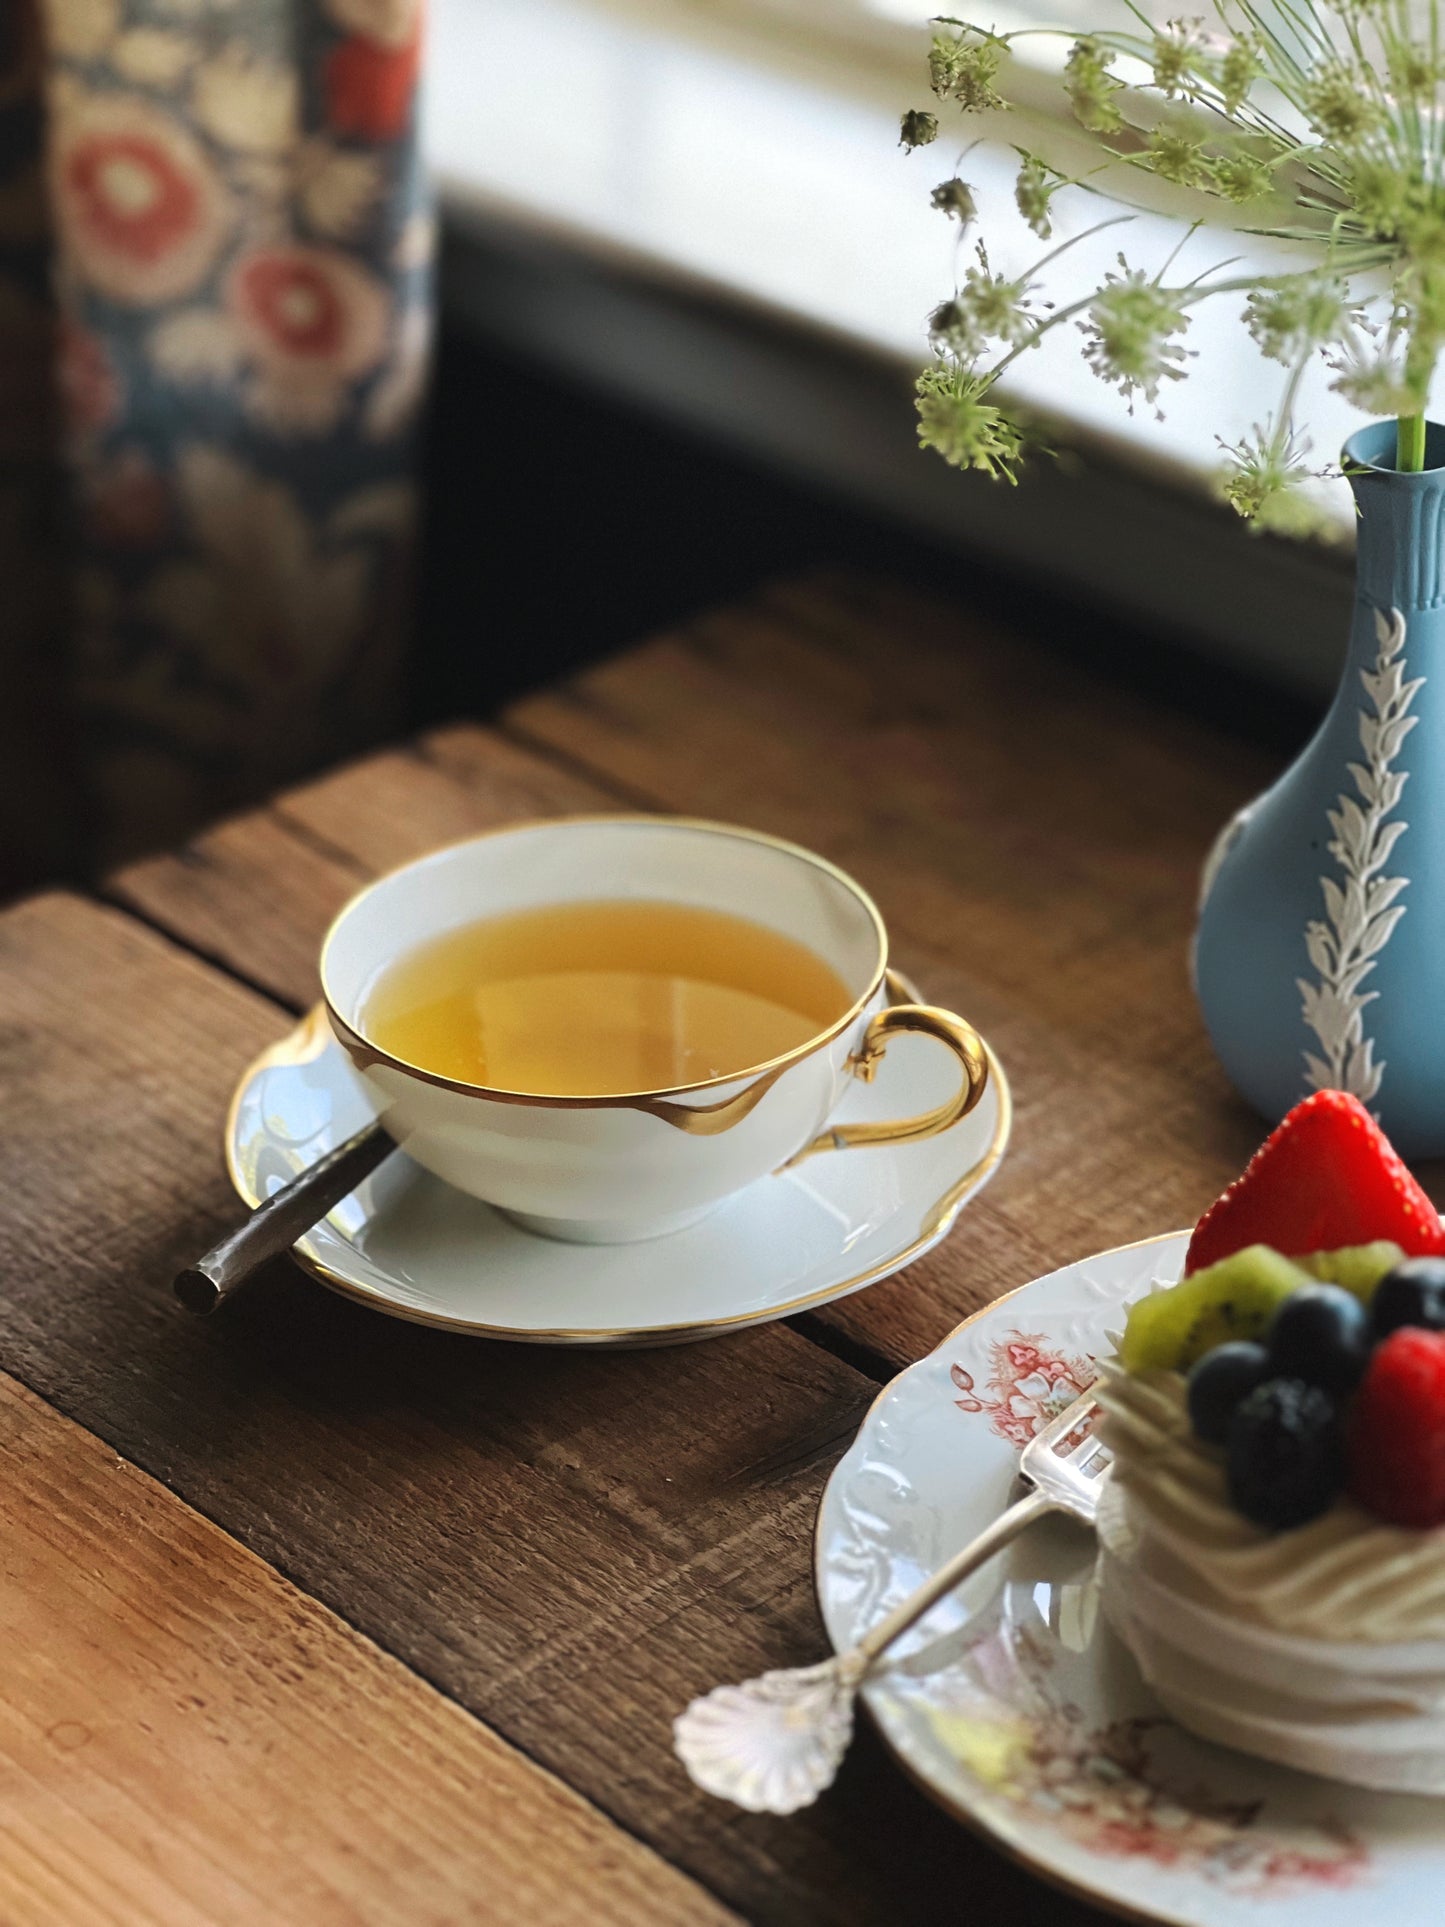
<point>214,256</point>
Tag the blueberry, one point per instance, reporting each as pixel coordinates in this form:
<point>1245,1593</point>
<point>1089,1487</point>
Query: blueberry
<point>1219,1381</point>
<point>1285,1454</point>
<point>1321,1333</point>
<point>1412,1294</point>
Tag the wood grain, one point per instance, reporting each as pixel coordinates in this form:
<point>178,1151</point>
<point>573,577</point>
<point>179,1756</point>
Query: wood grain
<point>256,893</point>
<point>1033,835</point>
<point>185,1737</point>
<point>569,1544</point>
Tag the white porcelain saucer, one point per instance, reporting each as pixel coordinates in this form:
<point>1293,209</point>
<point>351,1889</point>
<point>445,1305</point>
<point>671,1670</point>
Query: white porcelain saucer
<point>410,1245</point>
<point>1016,1708</point>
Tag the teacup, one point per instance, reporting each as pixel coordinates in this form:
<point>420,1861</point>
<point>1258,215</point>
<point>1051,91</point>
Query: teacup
<point>615,1169</point>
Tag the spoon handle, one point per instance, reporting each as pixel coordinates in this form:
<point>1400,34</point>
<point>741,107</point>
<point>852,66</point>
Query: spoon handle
<point>275,1225</point>
<point>774,1743</point>
<point>951,1574</point>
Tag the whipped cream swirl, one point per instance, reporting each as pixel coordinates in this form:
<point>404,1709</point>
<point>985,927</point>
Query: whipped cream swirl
<point>1321,1648</point>
<point>1346,1575</point>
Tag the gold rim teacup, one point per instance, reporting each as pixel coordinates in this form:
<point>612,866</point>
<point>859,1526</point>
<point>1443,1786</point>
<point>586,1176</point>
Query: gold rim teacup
<point>636,1164</point>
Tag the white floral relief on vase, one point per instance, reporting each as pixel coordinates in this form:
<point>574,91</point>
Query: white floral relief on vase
<point>1361,910</point>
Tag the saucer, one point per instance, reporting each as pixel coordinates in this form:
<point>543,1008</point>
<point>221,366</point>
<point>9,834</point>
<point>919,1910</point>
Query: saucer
<point>408,1244</point>
<point>1016,1708</point>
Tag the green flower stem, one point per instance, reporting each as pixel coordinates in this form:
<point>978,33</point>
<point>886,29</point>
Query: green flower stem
<point>1327,113</point>
<point>1410,445</point>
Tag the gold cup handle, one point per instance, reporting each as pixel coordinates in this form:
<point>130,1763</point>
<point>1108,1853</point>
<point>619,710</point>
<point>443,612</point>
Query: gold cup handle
<point>927,1019</point>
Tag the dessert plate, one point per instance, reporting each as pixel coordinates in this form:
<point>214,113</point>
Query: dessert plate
<point>410,1245</point>
<point>1016,1708</point>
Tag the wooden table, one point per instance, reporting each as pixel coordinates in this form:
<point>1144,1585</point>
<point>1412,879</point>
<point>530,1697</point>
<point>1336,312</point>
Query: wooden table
<point>313,1616</point>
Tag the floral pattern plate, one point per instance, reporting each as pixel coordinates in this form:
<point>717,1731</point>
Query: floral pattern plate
<point>1016,1708</point>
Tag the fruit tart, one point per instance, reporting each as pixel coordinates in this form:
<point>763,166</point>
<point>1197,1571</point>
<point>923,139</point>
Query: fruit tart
<point>1272,1542</point>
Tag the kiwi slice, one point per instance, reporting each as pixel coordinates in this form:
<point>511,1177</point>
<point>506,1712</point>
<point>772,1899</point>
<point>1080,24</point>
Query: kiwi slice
<point>1359,1268</point>
<point>1236,1298</point>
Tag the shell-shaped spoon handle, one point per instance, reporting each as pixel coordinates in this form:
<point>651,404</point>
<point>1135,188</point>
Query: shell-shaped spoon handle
<point>774,1744</point>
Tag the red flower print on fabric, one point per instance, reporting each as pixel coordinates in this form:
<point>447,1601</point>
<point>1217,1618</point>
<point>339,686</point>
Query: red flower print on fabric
<point>293,302</point>
<point>307,321</point>
<point>130,195</point>
<point>140,207</point>
<point>1029,1383</point>
<point>308,311</point>
<point>370,87</point>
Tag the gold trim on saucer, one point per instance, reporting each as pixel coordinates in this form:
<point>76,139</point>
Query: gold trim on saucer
<point>301,1046</point>
<point>967,1816</point>
<point>661,1103</point>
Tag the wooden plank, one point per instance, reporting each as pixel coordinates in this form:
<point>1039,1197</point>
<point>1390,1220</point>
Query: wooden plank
<point>1033,835</point>
<point>969,778</point>
<point>186,1737</point>
<point>569,1544</point>
<point>257,892</point>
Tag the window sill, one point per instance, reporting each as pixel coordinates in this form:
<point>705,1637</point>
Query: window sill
<point>733,238</point>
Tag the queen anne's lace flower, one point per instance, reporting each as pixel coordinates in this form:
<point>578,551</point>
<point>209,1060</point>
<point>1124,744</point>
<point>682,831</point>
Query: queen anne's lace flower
<point>966,430</point>
<point>1177,157</point>
<point>1091,88</point>
<point>1371,373</point>
<point>1327,120</point>
<point>1174,55</point>
<point>987,308</point>
<point>1414,72</point>
<point>1034,189</point>
<point>966,70</point>
<point>1237,72</point>
<point>1264,466</point>
<point>1381,196</point>
<point>1289,319</point>
<point>1000,307</point>
<point>1132,334</point>
<point>917,129</point>
<point>949,328</point>
<point>1242,178</point>
<point>1341,104</point>
<point>943,63</point>
<point>955,199</point>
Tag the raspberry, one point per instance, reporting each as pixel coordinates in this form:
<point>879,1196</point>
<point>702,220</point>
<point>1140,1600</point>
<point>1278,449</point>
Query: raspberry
<point>1397,1430</point>
<point>1324,1178</point>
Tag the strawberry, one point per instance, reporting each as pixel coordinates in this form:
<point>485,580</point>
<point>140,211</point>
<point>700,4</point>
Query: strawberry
<point>1326,1177</point>
<point>1397,1430</point>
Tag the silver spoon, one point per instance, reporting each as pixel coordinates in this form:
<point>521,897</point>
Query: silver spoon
<point>275,1225</point>
<point>774,1744</point>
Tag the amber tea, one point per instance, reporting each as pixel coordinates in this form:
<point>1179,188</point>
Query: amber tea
<point>597,999</point>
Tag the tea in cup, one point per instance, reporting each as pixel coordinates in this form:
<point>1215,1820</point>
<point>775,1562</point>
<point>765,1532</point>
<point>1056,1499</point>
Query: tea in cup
<point>605,1026</point>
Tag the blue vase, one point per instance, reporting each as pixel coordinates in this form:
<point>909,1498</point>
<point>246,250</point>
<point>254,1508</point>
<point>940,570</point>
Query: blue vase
<point>1320,953</point>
